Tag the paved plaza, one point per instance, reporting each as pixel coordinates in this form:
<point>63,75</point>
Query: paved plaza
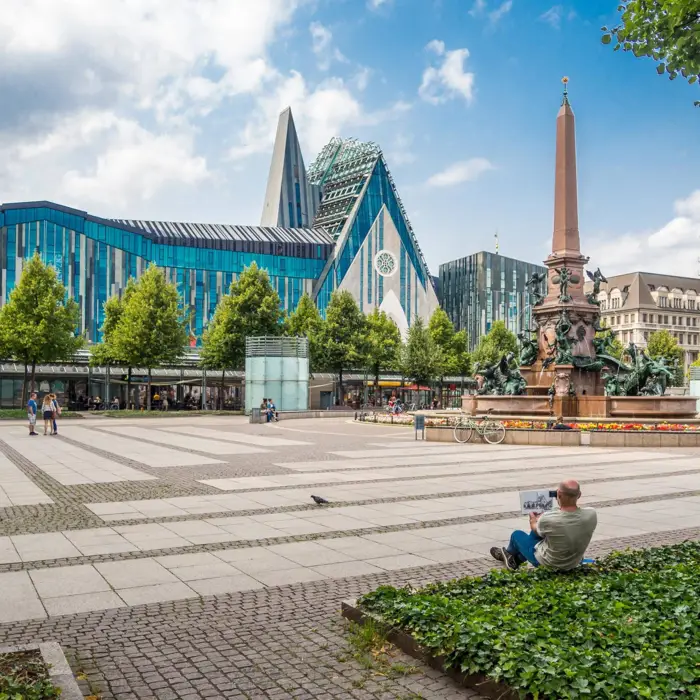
<point>184,558</point>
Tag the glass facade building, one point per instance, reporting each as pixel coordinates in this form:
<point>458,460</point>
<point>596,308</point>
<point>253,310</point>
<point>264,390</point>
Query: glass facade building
<point>485,287</point>
<point>95,257</point>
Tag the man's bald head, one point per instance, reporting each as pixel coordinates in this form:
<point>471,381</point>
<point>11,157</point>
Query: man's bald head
<point>569,492</point>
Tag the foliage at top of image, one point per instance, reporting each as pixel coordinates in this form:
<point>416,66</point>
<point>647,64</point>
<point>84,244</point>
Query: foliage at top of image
<point>23,676</point>
<point>666,30</point>
<point>623,628</point>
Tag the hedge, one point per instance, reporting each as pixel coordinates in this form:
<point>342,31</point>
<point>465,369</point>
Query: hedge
<point>626,627</point>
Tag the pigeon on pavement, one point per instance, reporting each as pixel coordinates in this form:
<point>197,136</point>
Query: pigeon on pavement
<point>319,501</point>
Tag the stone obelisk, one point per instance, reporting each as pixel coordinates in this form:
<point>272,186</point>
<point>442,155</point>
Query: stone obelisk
<point>565,317</point>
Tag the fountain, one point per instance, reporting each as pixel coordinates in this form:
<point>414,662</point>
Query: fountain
<point>565,365</point>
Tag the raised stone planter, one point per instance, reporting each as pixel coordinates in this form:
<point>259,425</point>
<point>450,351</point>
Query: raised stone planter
<point>59,670</point>
<point>404,641</point>
<point>573,438</point>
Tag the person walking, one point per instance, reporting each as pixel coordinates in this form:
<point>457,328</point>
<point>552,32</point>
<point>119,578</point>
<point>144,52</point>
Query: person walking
<point>31,413</point>
<point>56,409</point>
<point>47,413</point>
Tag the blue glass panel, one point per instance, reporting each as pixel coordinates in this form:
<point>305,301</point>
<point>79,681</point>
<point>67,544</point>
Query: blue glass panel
<point>362,278</point>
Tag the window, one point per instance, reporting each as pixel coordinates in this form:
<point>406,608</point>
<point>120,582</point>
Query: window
<point>673,320</point>
<point>695,321</point>
<point>663,302</point>
<point>680,338</point>
<point>691,304</point>
<point>644,318</point>
<point>618,320</point>
<point>646,335</point>
<point>632,317</point>
<point>627,318</point>
<point>687,320</point>
<point>666,320</point>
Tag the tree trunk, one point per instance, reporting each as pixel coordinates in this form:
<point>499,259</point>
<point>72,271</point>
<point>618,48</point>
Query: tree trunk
<point>377,393</point>
<point>33,375</point>
<point>148,391</point>
<point>223,379</point>
<point>128,389</point>
<point>24,385</point>
<point>341,393</point>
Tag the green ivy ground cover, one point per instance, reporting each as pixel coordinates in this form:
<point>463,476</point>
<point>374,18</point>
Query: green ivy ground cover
<point>627,627</point>
<point>23,676</point>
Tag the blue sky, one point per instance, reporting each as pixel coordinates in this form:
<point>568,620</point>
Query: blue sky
<point>167,110</point>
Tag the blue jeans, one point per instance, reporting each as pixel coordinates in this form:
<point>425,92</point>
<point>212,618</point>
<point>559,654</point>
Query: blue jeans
<point>522,546</point>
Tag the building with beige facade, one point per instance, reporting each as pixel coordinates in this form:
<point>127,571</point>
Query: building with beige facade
<point>637,304</point>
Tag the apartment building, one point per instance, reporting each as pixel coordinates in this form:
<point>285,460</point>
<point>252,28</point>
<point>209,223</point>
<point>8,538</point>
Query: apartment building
<point>637,304</point>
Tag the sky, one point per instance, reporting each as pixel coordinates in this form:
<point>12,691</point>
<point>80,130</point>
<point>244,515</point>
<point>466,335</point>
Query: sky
<point>167,110</point>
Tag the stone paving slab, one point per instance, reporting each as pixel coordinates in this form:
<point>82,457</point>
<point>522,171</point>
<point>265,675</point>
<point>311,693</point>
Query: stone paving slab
<point>233,436</point>
<point>145,453</point>
<point>70,465</point>
<point>215,447</point>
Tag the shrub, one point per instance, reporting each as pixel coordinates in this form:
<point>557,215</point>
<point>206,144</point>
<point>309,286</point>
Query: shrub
<point>623,628</point>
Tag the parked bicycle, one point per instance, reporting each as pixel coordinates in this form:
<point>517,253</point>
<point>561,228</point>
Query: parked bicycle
<point>490,430</point>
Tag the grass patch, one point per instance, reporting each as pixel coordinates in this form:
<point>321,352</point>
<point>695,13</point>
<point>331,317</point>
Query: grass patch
<point>24,676</point>
<point>624,628</point>
<point>163,414</point>
<point>21,414</point>
<point>369,646</point>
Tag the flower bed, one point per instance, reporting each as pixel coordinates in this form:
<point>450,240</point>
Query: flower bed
<point>623,628</point>
<point>449,421</point>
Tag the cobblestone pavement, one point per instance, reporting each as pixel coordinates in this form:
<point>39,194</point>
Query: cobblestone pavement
<point>258,636</point>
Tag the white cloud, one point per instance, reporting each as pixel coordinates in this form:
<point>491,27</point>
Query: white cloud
<point>319,114</point>
<point>401,151</point>
<point>132,164</point>
<point>672,249</point>
<point>478,8</point>
<point>447,80</point>
<point>553,16</point>
<point>103,102</point>
<point>322,46</point>
<point>463,171</point>
<point>500,12</point>
<point>376,4</point>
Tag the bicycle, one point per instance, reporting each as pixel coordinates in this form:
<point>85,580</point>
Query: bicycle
<point>490,430</point>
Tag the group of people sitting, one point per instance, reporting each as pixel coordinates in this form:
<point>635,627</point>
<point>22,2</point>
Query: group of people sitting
<point>268,408</point>
<point>558,538</point>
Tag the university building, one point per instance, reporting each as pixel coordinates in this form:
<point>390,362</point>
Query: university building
<point>637,304</point>
<point>341,226</point>
<point>485,287</point>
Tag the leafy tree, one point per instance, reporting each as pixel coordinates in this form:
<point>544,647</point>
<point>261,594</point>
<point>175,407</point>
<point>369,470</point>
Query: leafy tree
<point>453,353</point>
<point>151,330</point>
<point>38,324</point>
<point>251,308</point>
<point>498,342</point>
<point>665,30</point>
<point>420,357</point>
<point>342,336</point>
<point>382,344</point>
<point>305,321</point>
<point>104,354</point>
<point>662,344</point>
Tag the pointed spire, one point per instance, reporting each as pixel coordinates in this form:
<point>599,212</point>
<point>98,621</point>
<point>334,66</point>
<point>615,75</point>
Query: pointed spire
<point>565,240</point>
<point>565,97</point>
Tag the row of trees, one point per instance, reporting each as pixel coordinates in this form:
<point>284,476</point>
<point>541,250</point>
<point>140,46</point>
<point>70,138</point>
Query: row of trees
<point>345,339</point>
<point>147,328</point>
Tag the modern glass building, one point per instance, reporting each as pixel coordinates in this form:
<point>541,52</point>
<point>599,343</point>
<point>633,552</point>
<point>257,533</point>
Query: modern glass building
<point>342,226</point>
<point>95,257</point>
<point>485,287</point>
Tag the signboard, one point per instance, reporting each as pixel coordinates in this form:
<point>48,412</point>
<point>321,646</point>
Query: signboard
<point>419,423</point>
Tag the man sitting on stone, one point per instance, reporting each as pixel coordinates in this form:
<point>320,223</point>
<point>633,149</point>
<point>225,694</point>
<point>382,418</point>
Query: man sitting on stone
<point>557,539</point>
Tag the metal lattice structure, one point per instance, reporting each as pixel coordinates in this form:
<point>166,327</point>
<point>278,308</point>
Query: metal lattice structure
<point>276,346</point>
<point>341,169</point>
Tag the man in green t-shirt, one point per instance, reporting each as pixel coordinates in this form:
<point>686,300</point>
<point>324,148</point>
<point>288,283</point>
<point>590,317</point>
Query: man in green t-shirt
<point>557,539</point>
